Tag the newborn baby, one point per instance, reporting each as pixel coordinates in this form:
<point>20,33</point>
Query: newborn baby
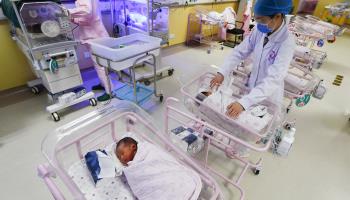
<point>203,95</point>
<point>153,173</point>
<point>255,117</point>
<point>125,150</point>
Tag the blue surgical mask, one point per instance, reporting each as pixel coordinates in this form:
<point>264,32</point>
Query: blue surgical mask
<point>264,28</point>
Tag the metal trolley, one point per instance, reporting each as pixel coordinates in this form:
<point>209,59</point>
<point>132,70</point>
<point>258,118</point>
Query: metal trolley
<point>126,54</point>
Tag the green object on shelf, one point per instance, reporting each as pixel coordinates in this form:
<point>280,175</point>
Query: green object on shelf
<point>53,66</point>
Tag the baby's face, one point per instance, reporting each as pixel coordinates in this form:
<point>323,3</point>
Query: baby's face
<point>126,152</point>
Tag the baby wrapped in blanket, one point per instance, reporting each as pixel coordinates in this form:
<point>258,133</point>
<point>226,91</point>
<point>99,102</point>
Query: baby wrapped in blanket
<point>213,104</point>
<point>153,174</point>
<point>213,107</point>
<point>255,118</point>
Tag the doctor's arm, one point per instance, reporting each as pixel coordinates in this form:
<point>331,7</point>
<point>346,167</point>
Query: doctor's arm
<point>275,76</point>
<point>238,54</point>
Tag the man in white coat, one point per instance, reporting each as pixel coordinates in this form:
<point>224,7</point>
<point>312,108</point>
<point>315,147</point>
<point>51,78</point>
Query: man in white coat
<point>271,46</point>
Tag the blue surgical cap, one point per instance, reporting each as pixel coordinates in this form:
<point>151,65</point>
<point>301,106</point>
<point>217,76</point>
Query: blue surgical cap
<point>272,7</point>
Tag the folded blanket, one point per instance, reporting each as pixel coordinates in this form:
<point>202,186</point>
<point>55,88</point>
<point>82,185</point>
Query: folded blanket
<point>100,165</point>
<point>303,52</point>
<point>156,175</point>
<point>296,81</point>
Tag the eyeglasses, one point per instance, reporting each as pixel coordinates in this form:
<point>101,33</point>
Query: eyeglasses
<point>264,19</point>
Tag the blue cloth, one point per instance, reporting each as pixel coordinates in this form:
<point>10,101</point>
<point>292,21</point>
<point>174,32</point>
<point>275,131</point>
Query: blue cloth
<point>272,7</point>
<point>91,159</point>
<point>190,139</point>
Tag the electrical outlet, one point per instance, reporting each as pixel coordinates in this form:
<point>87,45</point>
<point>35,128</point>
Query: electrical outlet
<point>87,54</point>
<point>171,36</point>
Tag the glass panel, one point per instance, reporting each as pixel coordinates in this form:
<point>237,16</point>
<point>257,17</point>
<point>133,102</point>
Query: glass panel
<point>46,23</point>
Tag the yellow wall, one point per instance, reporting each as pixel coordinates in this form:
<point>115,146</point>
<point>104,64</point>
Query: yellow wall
<point>295,5</point>
<point>178,19</point>
<point>320,6</point>
<point>14,69</point>
<point>322,3</point>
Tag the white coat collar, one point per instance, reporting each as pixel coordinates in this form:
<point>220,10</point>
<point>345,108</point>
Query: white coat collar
<point>278,36</point>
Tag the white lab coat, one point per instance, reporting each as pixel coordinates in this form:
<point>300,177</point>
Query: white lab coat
<point>270,65</point>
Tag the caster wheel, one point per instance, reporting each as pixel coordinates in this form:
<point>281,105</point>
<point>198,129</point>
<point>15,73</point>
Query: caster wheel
<point>93,102</point>
<point>170,72</point>
<point>160,74</point>
<point>256,171</point>
<point>55,116</point>
<point>131,122</point>
<point>208,51</point>
<point>222,48</point>
<point>147,82</point>
<point>35,90</point>
<point>161,98</point>
<point>288,126</point>
<point>288,109</point>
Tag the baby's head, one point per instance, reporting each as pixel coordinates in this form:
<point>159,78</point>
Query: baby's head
<point>207,93</point>
<point>126,149</point>
<point>203,95</point>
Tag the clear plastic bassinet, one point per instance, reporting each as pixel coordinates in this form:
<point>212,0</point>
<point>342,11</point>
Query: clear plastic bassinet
<point>66,146</point>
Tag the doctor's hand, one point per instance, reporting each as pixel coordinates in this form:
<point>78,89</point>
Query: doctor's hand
<point>217,80</point>
<point>234,110</point>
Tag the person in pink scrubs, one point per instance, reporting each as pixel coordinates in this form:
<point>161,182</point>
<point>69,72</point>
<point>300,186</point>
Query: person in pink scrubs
<point>86,14</point>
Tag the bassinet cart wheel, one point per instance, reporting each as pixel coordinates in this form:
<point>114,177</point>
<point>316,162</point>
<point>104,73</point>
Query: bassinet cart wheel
<point>35,90</point>
<point>256,171</point>
<point>55,116</point>
<point>288,126</point>
<point>222,48</point>
<point>288,109</point>
<point>208,51</point>
<point>93,102</point>
<point>147,82</point>
<point>161,98</point>
<point>170,72</point>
